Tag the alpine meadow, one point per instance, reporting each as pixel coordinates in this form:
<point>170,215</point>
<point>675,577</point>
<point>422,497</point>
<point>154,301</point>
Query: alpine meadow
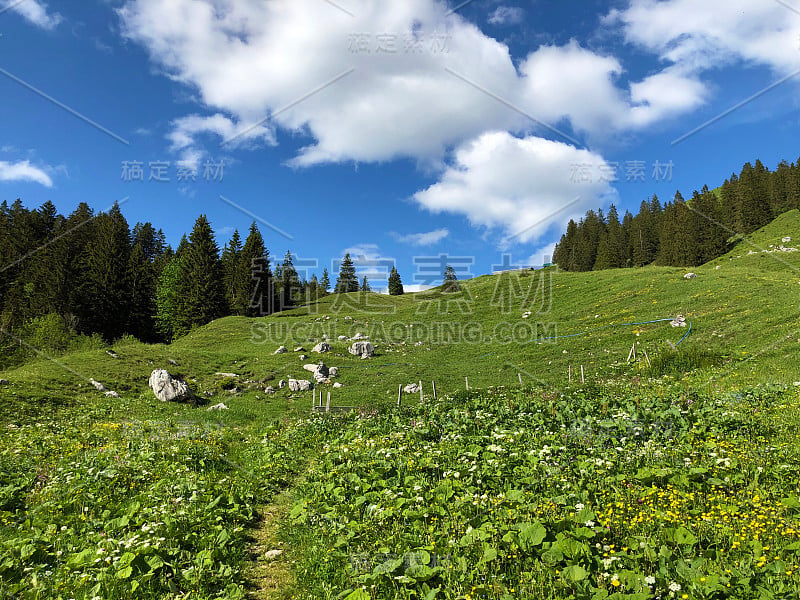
<point>431,300</point>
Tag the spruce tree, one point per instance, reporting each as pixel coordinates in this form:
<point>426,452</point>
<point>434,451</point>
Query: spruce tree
<point>105,295</point>
<point>253,266</point>
<point>230,266</point>
<point>395,284</point>
<point>201,293</point>
<point>325,282</point>
<point>365,285</point>
<point>450,283</point>
<point>291,287</point>
<point>347,281</point>
<point>143,272</point>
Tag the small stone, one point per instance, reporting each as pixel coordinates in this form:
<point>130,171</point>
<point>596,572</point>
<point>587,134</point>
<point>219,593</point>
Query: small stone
<point>281,350</point>
<point>100,387</point>
<point>273,554</point>
<point>219,406</point>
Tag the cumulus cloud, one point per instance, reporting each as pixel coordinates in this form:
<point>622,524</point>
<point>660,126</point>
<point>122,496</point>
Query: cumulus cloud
<point>696,36</point>
<point>35,12</point>
<point>506,15</point>
<point>422,239</point>
<point>375,86</point>
<point>523,186</point>
<point>186,133</point>
<point>24,171</point>
<point>559,79</point>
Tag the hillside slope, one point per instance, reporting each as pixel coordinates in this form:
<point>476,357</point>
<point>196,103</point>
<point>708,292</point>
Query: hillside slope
<point>740,306</point>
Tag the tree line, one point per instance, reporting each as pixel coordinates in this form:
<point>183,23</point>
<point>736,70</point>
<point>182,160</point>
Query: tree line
<point>92,275</point>
<point>681,232</point>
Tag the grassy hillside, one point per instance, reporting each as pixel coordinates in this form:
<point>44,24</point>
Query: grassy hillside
<point>128,497</point>
<point>740,306</point>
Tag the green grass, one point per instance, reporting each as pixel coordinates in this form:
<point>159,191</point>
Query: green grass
<point>80,471</point>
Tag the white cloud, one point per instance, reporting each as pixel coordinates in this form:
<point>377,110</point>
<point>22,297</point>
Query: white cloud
<point>560,79</point>
<point>186,131</point>
<point>521,186</point>
<point>696,36</point>
<point>35,11</point>
<point>422,239</point>
<point>251,59</point>
<point>506,15</point>
<point>24,171</point>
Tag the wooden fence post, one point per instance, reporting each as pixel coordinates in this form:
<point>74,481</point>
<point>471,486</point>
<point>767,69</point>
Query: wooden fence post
<point>520,378</point>
<point>434,389</point>
<point>570,374</point>
<point>328,404</point>
<point>582,379</point>
<point>466,381</point>
<point>399,394</point>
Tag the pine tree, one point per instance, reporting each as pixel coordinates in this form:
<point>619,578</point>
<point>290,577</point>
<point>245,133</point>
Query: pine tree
<point>201,293</point>
<point>450,283</point>
<point>347,281</point>
<point>365,285</point>
<point>395,284</point>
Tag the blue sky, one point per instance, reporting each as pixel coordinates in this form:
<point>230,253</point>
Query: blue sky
<point>394,130</point>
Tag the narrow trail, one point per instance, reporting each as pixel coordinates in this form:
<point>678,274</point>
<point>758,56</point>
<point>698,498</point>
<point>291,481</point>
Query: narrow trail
<point>270,576</point>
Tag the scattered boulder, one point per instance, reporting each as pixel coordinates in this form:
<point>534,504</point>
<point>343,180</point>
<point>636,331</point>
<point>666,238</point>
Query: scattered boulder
<point>299,385</point>
<point>3,381</point>
<point>112,354</point>
<point>281,384</point>
<point>110,394</point>
<point>348,318</point>
<point>342,338</point>
<point>690,276</point>
<point>219,406</point>
<point>299,349</point>
<point>226,374</point>
<point>786,240</point>
<point>273,554</point>
<point>303,356</point>
<point>325,338</point>
<point>100,387</point>
<point>718,267</point>
<point>359,336</point>
<point>679,321</point>
<point>411,388</point>
<point>172,362</point>
<point>169,389</point>
<point>281,350</point>
<point>333,372</point>
<point>269,390</point>
<point>310,368</point>
<point>322,348</point>
<point>338,385</point>
<point>362,349</point>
